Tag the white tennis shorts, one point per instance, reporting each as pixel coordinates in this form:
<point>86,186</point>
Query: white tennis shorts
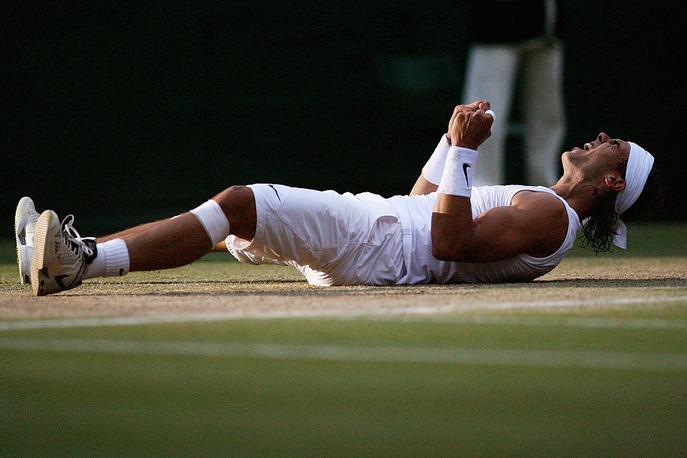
<point>331,238</point>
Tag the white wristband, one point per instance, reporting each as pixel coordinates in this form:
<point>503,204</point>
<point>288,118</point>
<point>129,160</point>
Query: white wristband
<point>457,177</point>
<point>435,165</point>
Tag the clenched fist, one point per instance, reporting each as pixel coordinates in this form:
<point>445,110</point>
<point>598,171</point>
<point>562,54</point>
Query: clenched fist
<point>470,126</point>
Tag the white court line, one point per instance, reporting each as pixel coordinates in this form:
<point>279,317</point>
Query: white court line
<point>663,362</point>
<point>602,323</point>
<point>379,313</point>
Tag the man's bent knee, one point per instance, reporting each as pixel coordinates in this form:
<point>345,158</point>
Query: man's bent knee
<point>238,204</point>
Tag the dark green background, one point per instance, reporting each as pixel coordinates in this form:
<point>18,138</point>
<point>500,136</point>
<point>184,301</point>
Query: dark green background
<point>129,112</point>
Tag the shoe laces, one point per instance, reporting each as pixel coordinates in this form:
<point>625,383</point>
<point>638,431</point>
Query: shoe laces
<point>74,239</point>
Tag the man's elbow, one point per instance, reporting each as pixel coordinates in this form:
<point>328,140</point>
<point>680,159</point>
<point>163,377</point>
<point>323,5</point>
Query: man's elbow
<point>437,251</point>
<point>444,251</point>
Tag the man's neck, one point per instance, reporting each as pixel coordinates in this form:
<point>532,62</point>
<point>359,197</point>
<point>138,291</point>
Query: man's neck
<point>577,193</point>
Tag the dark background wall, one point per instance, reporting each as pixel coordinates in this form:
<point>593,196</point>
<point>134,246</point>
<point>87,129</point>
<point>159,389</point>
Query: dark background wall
<point>128,111</point>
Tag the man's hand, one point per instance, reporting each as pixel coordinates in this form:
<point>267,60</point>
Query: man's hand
<point>422,185</point>
<point>470,126</point>
<point>469,108</point>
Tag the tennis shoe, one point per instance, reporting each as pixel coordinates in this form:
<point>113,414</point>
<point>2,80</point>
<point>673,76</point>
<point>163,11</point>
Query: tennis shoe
<point>25,218</point>
<point>60,255</point>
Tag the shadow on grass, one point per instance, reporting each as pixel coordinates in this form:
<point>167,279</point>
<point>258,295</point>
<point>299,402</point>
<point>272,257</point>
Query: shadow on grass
<point>292,288</point>
<point>265,281</point>
<point>611,283</point>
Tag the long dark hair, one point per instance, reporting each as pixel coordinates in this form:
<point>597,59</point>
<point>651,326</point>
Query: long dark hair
<point>597,230</point>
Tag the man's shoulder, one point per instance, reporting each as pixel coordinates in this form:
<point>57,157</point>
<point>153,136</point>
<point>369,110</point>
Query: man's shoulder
<point>543,210</point>
<point>547,202</point>
<point>546,217</point>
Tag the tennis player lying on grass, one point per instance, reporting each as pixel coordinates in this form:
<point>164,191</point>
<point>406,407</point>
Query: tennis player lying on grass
<point>445,231</point>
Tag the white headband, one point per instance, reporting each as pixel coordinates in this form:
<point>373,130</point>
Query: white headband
<point>639,165</point>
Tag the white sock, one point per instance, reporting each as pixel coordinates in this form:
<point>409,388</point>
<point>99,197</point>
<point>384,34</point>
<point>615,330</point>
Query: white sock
<point>112,260</point>
<point>213,219</point>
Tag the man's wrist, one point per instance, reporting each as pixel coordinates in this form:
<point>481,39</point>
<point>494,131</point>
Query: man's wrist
<point>456,179</point>
<point>464,144</point>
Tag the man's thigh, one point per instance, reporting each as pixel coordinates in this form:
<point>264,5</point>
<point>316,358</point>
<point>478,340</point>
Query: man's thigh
<point>303,227</point>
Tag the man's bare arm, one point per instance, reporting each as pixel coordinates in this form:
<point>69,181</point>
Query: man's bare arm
<point>536,225</point>
<point>422,186</point>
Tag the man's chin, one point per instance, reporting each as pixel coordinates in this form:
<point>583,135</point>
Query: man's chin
<point>567,157</point>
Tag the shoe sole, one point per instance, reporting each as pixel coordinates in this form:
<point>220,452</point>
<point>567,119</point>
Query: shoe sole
<point>19,212</point>
<point>38,260</point>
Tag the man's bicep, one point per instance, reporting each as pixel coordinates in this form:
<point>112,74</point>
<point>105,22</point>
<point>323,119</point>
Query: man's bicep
<point>504,232</point>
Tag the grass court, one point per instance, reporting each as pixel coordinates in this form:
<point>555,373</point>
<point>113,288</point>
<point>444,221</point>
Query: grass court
<point>219,358</point>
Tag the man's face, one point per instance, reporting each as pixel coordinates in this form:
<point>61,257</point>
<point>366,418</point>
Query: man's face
<point>598,157</point>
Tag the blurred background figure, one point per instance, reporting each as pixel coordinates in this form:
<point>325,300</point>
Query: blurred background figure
<point>516,44</point>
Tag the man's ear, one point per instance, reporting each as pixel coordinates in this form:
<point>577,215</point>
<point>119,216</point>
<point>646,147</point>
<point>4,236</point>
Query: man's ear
<point>614,182</point>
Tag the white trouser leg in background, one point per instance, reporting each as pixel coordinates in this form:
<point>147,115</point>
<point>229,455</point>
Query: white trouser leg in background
<point>544,112</point>
<point>490,76</point>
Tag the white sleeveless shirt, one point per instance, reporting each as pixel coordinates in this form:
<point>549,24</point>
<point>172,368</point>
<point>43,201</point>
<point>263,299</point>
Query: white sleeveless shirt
<point>415,213</point>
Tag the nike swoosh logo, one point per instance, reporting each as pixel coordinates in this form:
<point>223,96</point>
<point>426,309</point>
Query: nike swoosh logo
<point>275,191</point>
<point>465,171</point>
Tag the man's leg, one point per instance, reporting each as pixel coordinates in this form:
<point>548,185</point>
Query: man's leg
<point>179,241</point>
<point>137,230</point>
<point>62,258</point>
<point>130,231</point>
<point>331,238</point>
